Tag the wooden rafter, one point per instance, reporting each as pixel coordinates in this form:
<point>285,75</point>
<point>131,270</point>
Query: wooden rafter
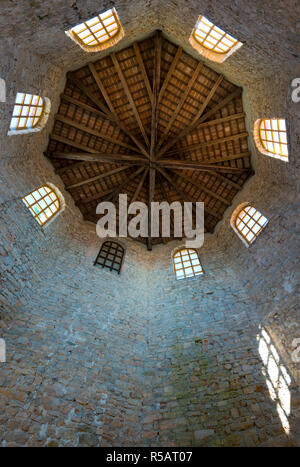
<point>97,177</point>
<point>205,144</point>
<point>100,157</point>
<point>186,164</point>
<point>143,70</point>
<point>170,73</point>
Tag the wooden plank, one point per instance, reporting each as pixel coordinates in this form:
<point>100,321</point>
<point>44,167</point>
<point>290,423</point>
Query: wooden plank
<point>87,92</point>
<point>186,198</point>
<point>84,106</point>
<point>220,105</point>
<point>202,188</point>
<point>217,121</point>
<point>195,120</point>
<point>62,170</point>
<point>100,157</point>
<point>97,177</point>
<point>129,97</point>
<point>224,179</point>
<point>183,164</point>
<point>115,118</point>
<point>143,69</point>
<point>139,187</point>
<point>180,103</point>
<point>213,142</point>
<point>96,133</point>
<point>170,72</point>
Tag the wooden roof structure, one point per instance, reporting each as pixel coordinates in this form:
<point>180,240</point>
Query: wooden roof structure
<point>154,123</point>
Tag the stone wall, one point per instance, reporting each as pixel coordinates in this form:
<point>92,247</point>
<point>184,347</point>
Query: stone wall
<point>141,359</point>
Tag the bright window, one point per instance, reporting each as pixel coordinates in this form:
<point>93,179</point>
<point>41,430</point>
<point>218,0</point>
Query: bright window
<point>97,30</point>
<point>43,204</point>
<point>273,137</point>
<point>212,37</point>
<point>249,223</point>
<point>28,111</point>
<point>186,263</point>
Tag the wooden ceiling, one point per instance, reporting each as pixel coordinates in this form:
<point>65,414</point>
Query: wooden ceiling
<point>154,123</point>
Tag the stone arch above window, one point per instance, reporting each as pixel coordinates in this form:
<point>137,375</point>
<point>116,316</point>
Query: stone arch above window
<point>44,203</point>
<point>270,137</point>
<point>98,33</point>
<point>30,114</point>
<point>212,42</point>
<point>110,256</point>
<point>186,263</point>
<point>248,223</point>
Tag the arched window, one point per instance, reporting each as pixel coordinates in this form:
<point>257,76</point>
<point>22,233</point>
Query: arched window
<point>248,222</point>
<point>2,90</point>
<point>186,263</point>
<point>98,33</point>
<point>43,203</point>
<point>271,137</point>
<point>110,256</point>
<point>211,41</point>
<point>30,113</point>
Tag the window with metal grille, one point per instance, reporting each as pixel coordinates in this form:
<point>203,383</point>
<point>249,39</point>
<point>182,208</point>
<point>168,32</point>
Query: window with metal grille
<point>110,256</point>
<point>249,223</point>
<point>96,31</point>
<point>43,204</point>
<point>273,137</point>
<point>186,263</point>
<point>212,37</point>
<point>27,112</point>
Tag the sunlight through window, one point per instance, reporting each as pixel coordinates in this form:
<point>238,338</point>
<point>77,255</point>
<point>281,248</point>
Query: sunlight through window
<point>28,111</point>
<point>277,377</point>
<point>96,31</point>
<point>212,37</point>
<point>186,263</point>
<point>43,204</point>
<point>273,137</point>
<point>250,222</point>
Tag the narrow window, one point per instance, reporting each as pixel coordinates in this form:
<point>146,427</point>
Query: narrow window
<point>98,33</point>
<point>249,223</point>
<point>30,113</point>
<point>110,256</point>
<point>211,41</point>
<point>186,263</point>
<point>272,138</point>
<point>43,204</point>
<point>2,90</point>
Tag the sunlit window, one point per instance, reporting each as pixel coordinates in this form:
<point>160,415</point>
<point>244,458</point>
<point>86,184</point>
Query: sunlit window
<point>250,222</point>
<point>43,204</point>
<point>186,263</point>
<point>273,137</point>
<point>28,111</point>
<point>96,31</point>
<point>212,37</point>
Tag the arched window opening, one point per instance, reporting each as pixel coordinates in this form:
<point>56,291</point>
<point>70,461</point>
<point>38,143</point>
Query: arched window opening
<point>271,137</point>
<point>211,41</point>
<point>98,33</point>
<point>249,223</point>
<point>110,256</point>
<point>2,90</point>
<point>30,113</point>
<point>186,263</point>
<point>43,203</point>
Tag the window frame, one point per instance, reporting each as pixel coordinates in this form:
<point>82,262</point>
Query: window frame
<point>260,142</point>
<point>30,206</point>
<point>236,217</point>
<point>195,273</point>
<point>42,118</point>
<point>111,267</point>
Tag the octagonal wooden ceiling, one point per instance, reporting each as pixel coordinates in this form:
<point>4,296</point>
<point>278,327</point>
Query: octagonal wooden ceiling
<point>154,123</point>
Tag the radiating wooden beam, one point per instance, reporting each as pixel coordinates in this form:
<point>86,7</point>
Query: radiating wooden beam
<point>184,164</point>
<point>195,119</point>
<point>139,187</point>
<point>142,68</point>
<point>100,157</point>
<point>75,165</point>
<point>96,133</point>
<point>224,179</point>
<point>202,187</point>
<point>97,177</point>
<point>170,72</point>
<point>114,116</point>
<point>213,142</point>
<point>85,106</point>
<point>217,121</point>
<point>129,96</point>
<point>180,104</point>
<point>154,123</point>
<point>219,106</point>
<point>80,85</point>
<point>186,197</point>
